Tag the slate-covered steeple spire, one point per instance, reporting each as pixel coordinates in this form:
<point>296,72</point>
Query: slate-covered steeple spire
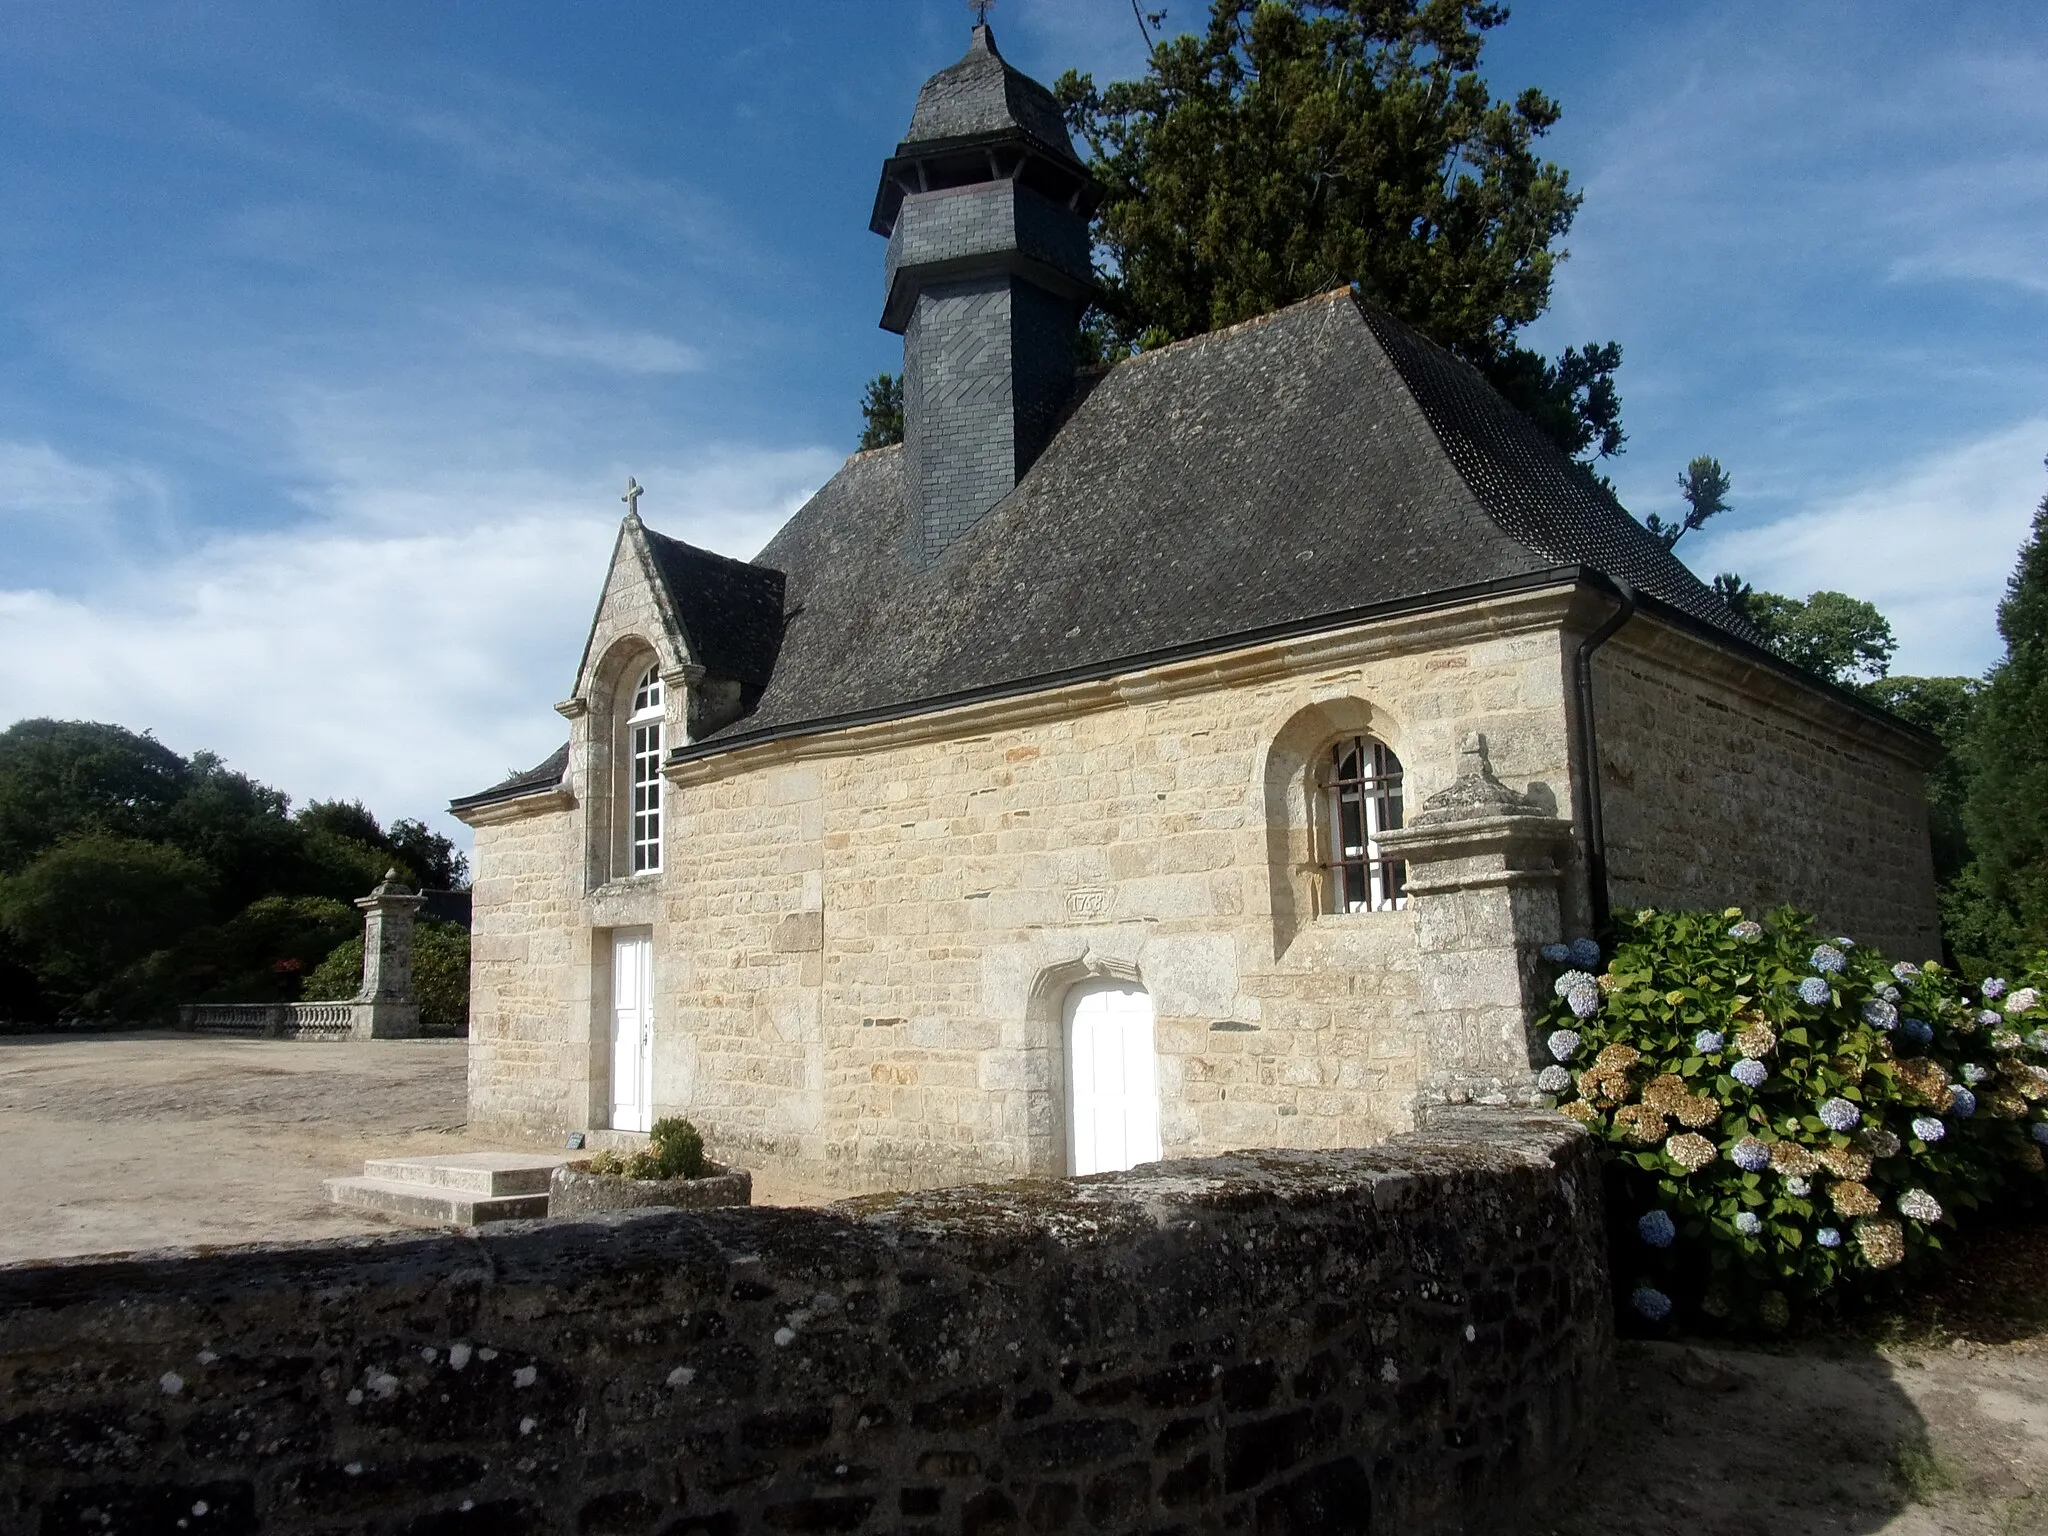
<point>986,209</point>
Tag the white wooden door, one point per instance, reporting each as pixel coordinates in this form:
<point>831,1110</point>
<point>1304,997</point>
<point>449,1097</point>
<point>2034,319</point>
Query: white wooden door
<point>1112,1077</point>
<point>632,1032</point>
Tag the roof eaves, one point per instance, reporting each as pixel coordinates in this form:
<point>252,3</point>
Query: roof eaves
<point>718,744</point>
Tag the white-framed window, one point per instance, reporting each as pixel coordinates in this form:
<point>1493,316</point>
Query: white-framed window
<point>1362,799</point>
<point>643,757</point>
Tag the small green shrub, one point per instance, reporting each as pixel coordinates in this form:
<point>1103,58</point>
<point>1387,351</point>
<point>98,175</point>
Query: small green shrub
<point>1790,1121</point>
<point>675,1151</point>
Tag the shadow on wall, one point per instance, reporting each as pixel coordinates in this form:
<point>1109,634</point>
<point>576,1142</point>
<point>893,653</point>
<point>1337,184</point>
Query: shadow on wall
<point>1727,1442</point>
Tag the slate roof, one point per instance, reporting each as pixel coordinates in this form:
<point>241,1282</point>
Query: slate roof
<point>983,95</point>
<point>1316,462</point>
<point>731,610</point>
<point>546,776</point>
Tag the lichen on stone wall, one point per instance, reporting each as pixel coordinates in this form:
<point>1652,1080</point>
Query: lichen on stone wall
<point>1280,1341</point>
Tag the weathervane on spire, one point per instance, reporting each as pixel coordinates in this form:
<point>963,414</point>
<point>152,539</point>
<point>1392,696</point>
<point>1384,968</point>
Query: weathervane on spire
<point>634,491</point>
<point>981,10</point>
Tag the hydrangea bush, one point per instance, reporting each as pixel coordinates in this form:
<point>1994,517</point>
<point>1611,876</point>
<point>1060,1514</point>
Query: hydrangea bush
<point>1793,1120</point>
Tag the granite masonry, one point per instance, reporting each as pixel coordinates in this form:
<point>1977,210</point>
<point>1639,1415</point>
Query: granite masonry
<point>1405,1338</point>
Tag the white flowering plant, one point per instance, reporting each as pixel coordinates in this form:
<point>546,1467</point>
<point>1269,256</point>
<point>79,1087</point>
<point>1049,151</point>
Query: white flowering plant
<point>1806,1118</point>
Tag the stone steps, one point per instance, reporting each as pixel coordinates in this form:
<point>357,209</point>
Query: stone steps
<point>463,1189</point>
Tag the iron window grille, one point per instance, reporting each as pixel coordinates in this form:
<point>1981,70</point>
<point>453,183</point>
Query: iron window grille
<point>644,731</point>
<point>1362,799</point>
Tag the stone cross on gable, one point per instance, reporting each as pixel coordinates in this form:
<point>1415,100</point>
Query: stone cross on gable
<point>634,491</point>
<point>981,10</point>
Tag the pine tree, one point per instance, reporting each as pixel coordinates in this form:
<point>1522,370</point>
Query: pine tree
<point>2008,805</point>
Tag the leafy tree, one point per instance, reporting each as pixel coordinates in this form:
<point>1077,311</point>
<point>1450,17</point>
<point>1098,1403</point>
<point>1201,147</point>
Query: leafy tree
<point>1705,486</point>
<point>1840,638</point>
<point>1296,145</point>
<point>65,778</point>
<point>262,954</point>
<point>1947,708</point>
<point>119,860</point>
<point>2007,813</point>
<point>881,407</point>
<point>96,903</point>
<point>433,858</point>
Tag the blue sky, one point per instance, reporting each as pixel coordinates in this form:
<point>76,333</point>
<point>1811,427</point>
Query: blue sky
<point>330,332</point>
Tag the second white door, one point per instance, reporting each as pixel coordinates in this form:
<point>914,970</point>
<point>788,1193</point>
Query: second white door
<point>632,1032</point>
<point>1112,1076</point>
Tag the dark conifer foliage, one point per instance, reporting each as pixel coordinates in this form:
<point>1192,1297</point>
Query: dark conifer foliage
<point>1294,146</point>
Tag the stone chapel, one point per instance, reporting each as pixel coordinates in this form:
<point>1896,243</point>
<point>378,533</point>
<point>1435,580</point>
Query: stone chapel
<point>1163,759</point>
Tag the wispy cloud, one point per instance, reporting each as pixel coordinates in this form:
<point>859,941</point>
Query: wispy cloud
<point>343,656</point>
<point>592,345</point>
<point>1930,544</point>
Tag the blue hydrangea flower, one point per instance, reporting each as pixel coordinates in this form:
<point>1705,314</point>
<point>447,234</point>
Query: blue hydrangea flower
<point>1795,1185</point>
<point>1750,1155</point>
<point>1651,1303</point>
<point>2026,1000</point>
<point>1557,954</point>
<point>1657,1228</point>
<point>1828,1237</point>
<point>1571,981</point>
<point>1746,929</point>
<point>1828,960</point>
<point>1974,1074</point>
<point>1585,954</point>
<point>1708,1041</point>
<point>1987,1018</point>
<point>1816,991</point>
<point>2041,1132</point>
<point>1553,1079</point>
<point>1906,970</point>
<point>1749,1072</point>
<point>1877,1013</point>
<point>1919,1031</point>
<point>1584,1002</point>
<point>1928,1129</point>
<point>1889,994</point>
<point>1994,987</point>
<point>1563,1043</point>
<point>1840,1115</point>
<point>1964,1103</point>
<point>1748,1223</point>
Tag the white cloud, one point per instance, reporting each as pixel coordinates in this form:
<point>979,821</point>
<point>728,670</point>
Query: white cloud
<point>1930,544</point>
<point>626,351</point>
<point>398,652</point>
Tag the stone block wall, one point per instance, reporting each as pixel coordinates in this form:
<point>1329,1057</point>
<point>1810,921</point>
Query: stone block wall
<point>1400,1339</point>
<point>863,957</point>
<point>1725,784</point>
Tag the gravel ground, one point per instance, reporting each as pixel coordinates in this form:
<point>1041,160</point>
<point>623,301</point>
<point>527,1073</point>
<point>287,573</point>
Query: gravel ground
<point>120,1142</point>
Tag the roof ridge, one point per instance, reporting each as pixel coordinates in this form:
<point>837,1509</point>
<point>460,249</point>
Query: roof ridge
<point>1328,296</point>
<point>697,549</point>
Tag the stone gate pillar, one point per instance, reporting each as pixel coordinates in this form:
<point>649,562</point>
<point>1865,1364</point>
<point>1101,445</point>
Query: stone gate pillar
<point>385,1008</point>
<point>1483,867</point>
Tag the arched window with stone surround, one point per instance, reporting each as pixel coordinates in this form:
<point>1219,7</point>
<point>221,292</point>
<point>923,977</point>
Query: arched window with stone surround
<point>1361,798</point>
<point>643,773</point>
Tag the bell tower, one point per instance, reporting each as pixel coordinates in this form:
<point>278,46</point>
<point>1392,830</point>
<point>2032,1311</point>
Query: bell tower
<point>986,208</point>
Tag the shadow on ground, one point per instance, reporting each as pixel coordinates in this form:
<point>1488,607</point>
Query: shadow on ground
<point>1932,1419</point>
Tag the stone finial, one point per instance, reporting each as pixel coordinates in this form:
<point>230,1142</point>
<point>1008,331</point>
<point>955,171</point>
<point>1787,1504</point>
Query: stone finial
<point>1475,792</point>
<point>634,491</point>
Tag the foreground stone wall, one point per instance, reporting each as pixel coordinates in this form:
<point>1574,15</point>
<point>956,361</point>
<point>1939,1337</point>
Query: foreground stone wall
<point>1394,1339</point>
<point>1726,783</point>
